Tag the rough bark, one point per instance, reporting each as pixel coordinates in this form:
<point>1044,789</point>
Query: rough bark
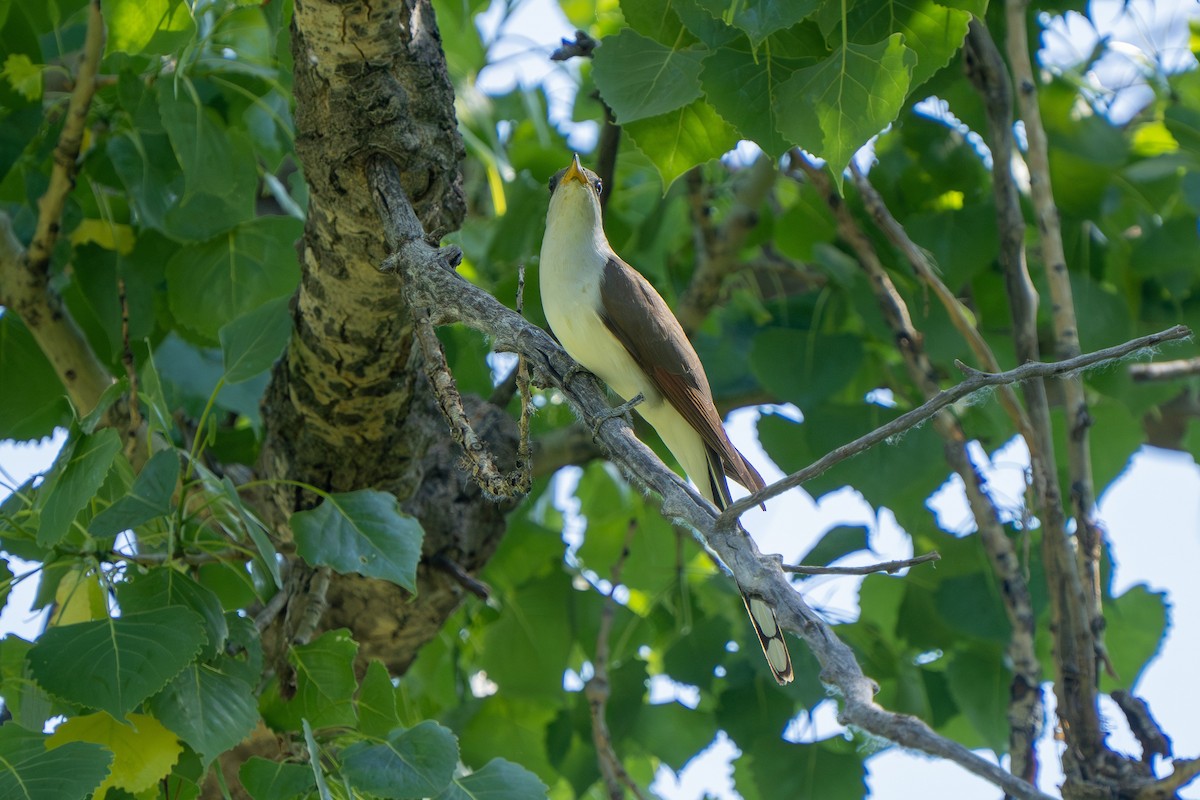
<point>347,407</point>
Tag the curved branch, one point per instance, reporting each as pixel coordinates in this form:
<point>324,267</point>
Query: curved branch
<point>25,273</point>
<point>430,282</point>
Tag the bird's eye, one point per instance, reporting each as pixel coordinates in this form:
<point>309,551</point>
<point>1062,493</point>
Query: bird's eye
<point>599,186</point>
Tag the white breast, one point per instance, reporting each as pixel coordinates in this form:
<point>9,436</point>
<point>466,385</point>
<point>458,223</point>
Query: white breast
<point>570,270</point>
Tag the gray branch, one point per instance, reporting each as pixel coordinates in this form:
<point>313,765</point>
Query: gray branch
<point>430,284</point>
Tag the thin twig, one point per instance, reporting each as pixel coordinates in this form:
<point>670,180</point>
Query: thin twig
<point>616,779</point>
<point>870,569</point>
<point>1025,710</point>
<point>1144,726</point>
<point>66,153</point>
<point>1089,533</point>
<point>974,382</point>
<point>1071,616</point>
<point>580,47</point>
<point>135,413</point>
<point>430,282</point>
<point>721,244</point>
<point>484,469</point>
<point>1165,370</point>
<point>461,576</point>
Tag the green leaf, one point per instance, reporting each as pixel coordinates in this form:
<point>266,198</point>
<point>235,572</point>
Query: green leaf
<point>29,705</point>
<point>271,780</point>
<point>1136,623</point>
<point>805,367</point>
<point>533,619</point>
<point>166,587</point>
<point>28,770</point>
<point>23,75</point>
<point>833,108</point>
<point>40,404</point>
<point>211,158</point>
<point>681,139</point>
<point>377,701</point>
<point>252,342</point>
<point>219,280</point>
<point>415,763</point>
<point>801,771</point>
<point>146,26</point>
<point>674,732</point>
<point>742,85</point>
<point>640,78</point>
<point>325,681</point>
<point>655,19</point>
<point>498,780</point>
<point>362,532</point>
<point>257,531</point>
<point>75,482</point>
<point>759,18</point>
<point>837,542</point>
<point>932,31</point>
<point>114,664</point>
<point>149,497</point>
<point>143,750</point>
<point>980,685</point>
<point>209,709</point>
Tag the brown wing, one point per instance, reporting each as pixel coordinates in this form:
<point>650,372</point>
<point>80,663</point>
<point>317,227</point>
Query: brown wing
<point>642,321</point>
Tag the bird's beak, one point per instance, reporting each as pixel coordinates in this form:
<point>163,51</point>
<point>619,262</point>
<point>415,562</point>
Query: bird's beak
<point>575,172</point>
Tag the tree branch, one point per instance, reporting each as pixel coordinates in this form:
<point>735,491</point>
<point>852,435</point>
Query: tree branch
<point>597,691</point>
<point>870,569</point>
<point>975,381</point>
<point>1025,710</point>
<point>66,153</point>
<point>1071,615</point>
<point>1165,370</point>
<point>25,274</point>
<point>430,282</point>
<point>717,249</point>
<point>1062,304</point>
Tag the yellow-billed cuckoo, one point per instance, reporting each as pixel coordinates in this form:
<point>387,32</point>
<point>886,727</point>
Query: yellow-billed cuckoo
<point>612,321</point>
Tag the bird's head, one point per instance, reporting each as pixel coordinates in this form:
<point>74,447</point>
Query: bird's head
<point>575,197</point>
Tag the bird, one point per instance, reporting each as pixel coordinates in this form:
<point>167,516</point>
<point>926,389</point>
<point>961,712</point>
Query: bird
<point>613,322</point>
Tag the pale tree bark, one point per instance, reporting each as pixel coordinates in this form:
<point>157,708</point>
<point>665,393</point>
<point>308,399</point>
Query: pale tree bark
<point>347,408</point>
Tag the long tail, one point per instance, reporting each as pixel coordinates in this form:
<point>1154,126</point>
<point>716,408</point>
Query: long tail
<point>766,626</point>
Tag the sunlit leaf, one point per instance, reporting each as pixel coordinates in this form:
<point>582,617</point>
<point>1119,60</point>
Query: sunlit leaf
<point>143,750</point>
<point>641,78</point>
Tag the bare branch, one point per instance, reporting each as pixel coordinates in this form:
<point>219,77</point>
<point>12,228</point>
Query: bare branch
<point>1025,710</point>
<point>25,274</point>
<point>1072,617</point>
<point>717,248</point>
<point>616,779</point>
<point>484,469</point>
<point>1165,370</point>
<point>886,566</point>
<point>66,153</point>
<point>976,381</point>
<point>431,283</point>
<point>581,47</point>
<point>1186,771</point>
<point>1066,331</point>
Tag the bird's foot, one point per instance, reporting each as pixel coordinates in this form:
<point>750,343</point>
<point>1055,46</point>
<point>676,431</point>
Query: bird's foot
<point>618,411</point>
<point>575,371</point>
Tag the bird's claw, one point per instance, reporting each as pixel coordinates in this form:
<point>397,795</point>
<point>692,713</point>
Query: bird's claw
<point>617,411</point>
